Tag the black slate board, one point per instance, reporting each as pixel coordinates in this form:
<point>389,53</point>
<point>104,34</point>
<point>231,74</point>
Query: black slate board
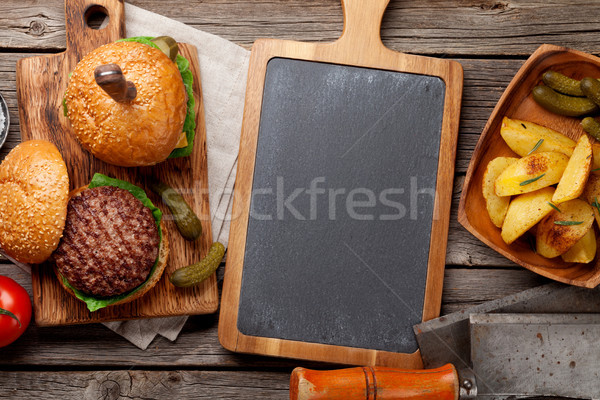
<point>314,271</point>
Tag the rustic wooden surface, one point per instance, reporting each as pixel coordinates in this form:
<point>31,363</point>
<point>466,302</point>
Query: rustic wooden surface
<point>491,39</point>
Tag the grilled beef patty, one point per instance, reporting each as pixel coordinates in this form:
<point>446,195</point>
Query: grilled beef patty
<point>109,244</point>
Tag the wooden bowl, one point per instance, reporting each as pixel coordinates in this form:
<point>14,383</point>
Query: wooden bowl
<point>516,102</point>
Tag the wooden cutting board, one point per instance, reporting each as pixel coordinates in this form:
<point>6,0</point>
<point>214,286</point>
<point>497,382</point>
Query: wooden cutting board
<point>41,84</point>
<point>307,278</point>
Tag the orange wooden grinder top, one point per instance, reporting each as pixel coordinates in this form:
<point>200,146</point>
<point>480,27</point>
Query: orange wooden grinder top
<point>375,383</point>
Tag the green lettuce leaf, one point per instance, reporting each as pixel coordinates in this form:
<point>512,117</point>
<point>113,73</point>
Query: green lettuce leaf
<point>64,102</point>
<point>65,109</point>
<point>96,303</point>
<point>189,126</point>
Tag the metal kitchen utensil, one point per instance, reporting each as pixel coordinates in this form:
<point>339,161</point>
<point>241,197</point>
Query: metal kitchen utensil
<point>4,125</point>
<point>446,339</point>
<point>536,354</point>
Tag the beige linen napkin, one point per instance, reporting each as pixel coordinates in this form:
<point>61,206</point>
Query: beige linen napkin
<point>223,70</point>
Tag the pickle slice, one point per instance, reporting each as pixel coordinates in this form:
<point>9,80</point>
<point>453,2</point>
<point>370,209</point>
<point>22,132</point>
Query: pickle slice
<point>591,126</point>
<point>561,104</point>
<point>186,220</point>
<point>562,84</point>
<point>196,273</point>
<point>591,89</point>
<point>167,45</point>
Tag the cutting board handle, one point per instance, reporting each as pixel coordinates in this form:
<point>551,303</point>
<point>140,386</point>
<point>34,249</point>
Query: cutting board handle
<point>362,24</point>
<point>81,38</point>
<point>366,383</point>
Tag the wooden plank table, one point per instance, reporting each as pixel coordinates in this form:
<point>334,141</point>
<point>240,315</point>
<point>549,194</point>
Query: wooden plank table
<point>490,38</point>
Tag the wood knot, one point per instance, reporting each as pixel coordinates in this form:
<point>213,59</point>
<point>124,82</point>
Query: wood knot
<point>109,390</point>
<point>37,28</point>
<point>494,5</point>
<point>174,378</point>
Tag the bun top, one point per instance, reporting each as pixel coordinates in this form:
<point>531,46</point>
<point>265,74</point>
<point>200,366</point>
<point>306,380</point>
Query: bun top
<point>34,192</point>
<point>129,134</point>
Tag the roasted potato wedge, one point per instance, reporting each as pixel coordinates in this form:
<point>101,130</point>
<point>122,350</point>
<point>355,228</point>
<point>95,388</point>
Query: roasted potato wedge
<point>576,174</point>
<point>496,205</point>
<point>524,212</point>
<point>531,173</point>
<point>559,231</point>
<point>523,136</point>
<point>583,251</point>
<point>591,194</point>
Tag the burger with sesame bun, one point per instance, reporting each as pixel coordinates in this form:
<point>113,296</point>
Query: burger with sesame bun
<point>34,191</point>
<point>114,246</point>
<point>106,240</point>
<point>131,103</point>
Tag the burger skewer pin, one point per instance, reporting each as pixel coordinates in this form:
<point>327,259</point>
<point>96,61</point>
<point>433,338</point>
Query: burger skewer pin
<point>110,76</point>
<point>111,79</point>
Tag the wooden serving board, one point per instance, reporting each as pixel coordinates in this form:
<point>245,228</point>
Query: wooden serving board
<point>312,303</point>
<point>41,84</point>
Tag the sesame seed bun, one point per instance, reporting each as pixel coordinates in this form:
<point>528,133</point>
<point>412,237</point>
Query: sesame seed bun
<point>34,192</point>
<point>129,134</point>
<point>163,256</point>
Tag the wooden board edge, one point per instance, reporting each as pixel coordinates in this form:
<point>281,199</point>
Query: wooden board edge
<point>20,66</point>
<point>443,193</point>
<point>211,303</point>
<point>37,298</point>
<point>262,51</point>
<point>227,329</point>
<point>346,355</point>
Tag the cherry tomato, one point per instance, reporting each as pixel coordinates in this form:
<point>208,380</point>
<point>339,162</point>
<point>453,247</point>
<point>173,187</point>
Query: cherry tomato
<point>14,300</point>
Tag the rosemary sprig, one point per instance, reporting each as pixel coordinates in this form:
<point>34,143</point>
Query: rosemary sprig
<point>596,204</point>
<point>537,145</point>
<point>554,206</point>
<point>568,223</point>
<point>596,169</point>
<point>528,181</point>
